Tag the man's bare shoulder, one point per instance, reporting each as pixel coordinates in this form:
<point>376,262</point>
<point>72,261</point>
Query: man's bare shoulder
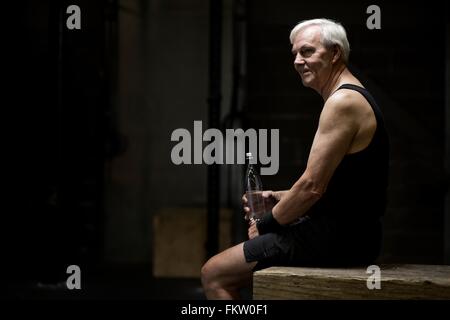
<point>342,107</point>
<point>345,102</point>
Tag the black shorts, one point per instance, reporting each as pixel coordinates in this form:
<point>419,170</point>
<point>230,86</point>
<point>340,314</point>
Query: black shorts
<point>316,242</point>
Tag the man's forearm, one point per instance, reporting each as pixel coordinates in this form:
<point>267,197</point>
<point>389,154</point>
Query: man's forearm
<point>296,201</point>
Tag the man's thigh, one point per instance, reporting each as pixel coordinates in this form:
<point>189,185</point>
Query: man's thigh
<point>269,249</point>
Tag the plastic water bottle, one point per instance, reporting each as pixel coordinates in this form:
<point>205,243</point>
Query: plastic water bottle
<point>253,190</point>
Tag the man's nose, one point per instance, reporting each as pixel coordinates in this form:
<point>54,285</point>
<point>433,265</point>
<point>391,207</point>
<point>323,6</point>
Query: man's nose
<point>299,60</point>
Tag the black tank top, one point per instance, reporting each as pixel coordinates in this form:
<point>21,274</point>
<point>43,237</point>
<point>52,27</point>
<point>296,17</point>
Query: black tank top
<point>358,187</point>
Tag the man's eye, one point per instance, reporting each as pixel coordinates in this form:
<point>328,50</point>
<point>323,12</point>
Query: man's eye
<point>307,52</point>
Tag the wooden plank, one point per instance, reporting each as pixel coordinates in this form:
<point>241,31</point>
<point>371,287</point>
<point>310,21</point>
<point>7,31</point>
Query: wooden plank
<point>397,282</point>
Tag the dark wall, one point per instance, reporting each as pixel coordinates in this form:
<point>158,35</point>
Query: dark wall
<point>60,89</point>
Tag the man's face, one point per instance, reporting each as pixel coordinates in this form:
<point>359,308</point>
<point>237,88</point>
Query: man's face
<point>312,60</point>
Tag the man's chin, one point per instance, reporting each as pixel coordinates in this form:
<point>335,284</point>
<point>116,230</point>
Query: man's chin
<point>305,83</point>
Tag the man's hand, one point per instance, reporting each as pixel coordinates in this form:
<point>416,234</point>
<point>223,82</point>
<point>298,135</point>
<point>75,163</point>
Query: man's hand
<point>252,230</point>
<point>270,197</point>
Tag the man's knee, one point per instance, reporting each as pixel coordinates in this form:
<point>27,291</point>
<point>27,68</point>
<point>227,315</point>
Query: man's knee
<point>210,273</point>
<point>207,272</point>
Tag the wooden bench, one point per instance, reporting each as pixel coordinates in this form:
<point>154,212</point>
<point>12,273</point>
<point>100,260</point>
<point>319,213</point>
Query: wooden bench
<point>405,281</point>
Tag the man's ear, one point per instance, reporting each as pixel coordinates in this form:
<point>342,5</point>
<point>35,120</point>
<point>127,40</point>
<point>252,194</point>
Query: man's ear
<point>337,53</point>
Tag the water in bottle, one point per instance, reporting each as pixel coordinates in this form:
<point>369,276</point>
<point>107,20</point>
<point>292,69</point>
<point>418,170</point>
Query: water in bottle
<point>253,190</point>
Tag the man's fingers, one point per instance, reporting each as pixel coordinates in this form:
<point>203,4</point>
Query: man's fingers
<point>252,230</point>
<point>267,193</point>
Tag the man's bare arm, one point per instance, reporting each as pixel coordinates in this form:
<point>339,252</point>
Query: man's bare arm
<point>338,126</point>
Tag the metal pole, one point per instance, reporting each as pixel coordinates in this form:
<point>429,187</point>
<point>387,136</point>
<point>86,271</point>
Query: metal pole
<point>214,99</point>
<point>447,146</point>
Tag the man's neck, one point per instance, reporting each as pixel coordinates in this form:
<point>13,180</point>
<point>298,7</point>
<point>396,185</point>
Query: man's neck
<point>335,81</point>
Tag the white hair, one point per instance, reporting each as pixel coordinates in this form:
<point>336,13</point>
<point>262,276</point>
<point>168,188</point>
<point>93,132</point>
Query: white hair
<point>332,32</point>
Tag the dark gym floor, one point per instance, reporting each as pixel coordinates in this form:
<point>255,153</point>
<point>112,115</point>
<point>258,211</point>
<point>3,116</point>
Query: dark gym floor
<point>111,283</point>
